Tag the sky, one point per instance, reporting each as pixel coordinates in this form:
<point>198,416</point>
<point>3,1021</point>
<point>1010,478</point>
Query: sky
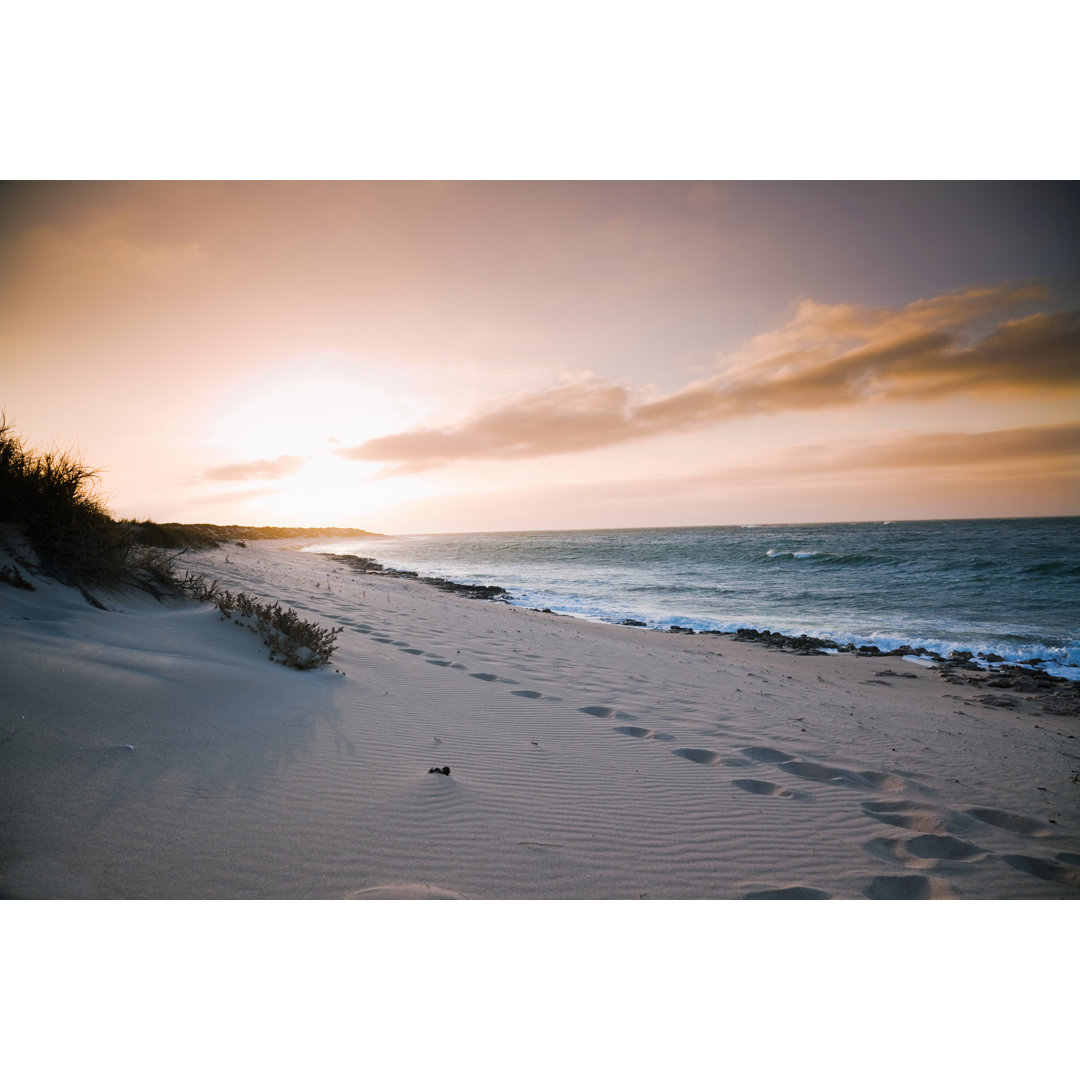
<point>460,356</point>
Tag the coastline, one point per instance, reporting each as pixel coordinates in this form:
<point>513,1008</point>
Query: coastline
<point>1024,675</point>
<point>1001,591</point>
<point>586,760</point>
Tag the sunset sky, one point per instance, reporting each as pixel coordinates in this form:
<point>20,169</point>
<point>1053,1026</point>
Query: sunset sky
<point>465,356</point>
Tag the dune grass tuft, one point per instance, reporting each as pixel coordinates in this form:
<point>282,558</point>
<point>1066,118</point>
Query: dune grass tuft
<point>52,495</point>
<point>292,641</point>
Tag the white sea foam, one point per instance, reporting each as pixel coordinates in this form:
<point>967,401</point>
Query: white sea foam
<point>1009,588</point>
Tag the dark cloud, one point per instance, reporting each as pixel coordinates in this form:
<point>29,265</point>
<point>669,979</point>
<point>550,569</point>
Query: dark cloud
<point>256,470</point>
<point>826,356</point>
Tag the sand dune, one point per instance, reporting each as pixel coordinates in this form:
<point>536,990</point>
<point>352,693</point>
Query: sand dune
<point>151,751</point>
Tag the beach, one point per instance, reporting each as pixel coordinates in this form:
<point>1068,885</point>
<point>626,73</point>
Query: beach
<point>151,751</point>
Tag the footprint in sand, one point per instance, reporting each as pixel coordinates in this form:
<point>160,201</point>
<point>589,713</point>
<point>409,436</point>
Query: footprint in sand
<point>893,851</point>
<point>635,732</point>
<point>384,640</point>
<point>829,774</point>
<point>906,815</point>
<point>486,676</point>
<point>923,851</point>
<point>643,733</point>
<point>1045,869</point>
<point>699,757</point>
<point>905,887</point>
<point>439,663</point>
<point>531,694</point>
<point>809,770</point>
<point>767,754</point>
<point>878,781</point>
<point>1014,823</point>
<point>604,712</point>
<point>796,892</point>
<point>929,846</point>
<point>415,652</point>
<point>763,787</point>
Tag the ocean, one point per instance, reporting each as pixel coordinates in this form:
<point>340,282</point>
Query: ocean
<point>1006,586</point>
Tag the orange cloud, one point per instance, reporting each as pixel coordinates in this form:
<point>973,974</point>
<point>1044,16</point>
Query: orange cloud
<point>1049,447</point>
<point>286,465</point>
<point>825,356</point>
<point>906,474</point>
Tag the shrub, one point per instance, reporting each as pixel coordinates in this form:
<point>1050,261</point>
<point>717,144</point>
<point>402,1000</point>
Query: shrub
<point>292,641</point>
<point>172,535</point>
<point>52,496</point>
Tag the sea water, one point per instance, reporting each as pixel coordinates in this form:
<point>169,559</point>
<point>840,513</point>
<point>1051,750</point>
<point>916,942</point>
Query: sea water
<point>1005,586</point>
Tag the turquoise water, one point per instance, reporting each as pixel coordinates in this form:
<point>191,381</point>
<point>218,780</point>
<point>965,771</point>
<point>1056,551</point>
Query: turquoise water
<point>1006,586</point>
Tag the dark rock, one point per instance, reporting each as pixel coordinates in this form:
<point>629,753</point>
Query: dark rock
<point>632,622</point>
<point>445,770</point>
<point>998,701</point>
<point>364,565</point>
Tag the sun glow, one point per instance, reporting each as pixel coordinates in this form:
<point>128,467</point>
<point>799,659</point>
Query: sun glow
<point>520,355</point>
<point>329,491</point>
<point>307,404</point>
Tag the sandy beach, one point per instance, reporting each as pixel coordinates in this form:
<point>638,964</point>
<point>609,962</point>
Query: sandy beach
<point>151,751</point>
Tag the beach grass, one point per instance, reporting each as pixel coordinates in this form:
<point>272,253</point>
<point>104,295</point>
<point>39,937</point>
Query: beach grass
<point>53,497</point>
<point>292,641</point>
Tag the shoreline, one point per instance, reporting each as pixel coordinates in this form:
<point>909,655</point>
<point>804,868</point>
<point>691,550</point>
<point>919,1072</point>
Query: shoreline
<point>152,751</point>
<point>801,644</point>
<point>996,589</point>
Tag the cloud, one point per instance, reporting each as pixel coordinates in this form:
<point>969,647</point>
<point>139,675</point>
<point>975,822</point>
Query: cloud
<point>286,465</point>
<point>904,474</point>
<point>826,355</point>
<point>561,420</point>
<point>1049,450</point>
<point>1048,447</point>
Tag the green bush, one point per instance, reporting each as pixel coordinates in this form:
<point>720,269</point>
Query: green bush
<point>292,641</point>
